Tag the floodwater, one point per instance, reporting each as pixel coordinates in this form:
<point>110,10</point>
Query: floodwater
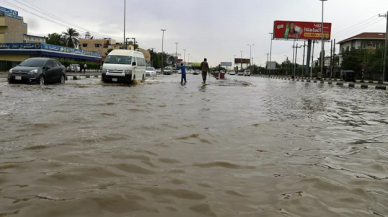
<point>269,148</point>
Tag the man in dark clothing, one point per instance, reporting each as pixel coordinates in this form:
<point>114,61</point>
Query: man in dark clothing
<point>81,67</point>
<point>205,70</point>
<point>183,69</point>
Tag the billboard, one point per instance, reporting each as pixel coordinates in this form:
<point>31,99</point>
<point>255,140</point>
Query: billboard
<point>239,60</point>
<point>226,64</point>
<point>9,13</point>
<point>301,30</point>
<point>47,47</point>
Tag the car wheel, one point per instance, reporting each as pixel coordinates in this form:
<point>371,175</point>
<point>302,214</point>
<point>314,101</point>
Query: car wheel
<point>42,80</point>
<point>63,79</point>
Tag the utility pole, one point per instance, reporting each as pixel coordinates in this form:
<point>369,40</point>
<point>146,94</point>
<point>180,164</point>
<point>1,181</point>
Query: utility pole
<point>176,54</point>
<point>334,58</point>
<point>312,62</point>
<point>385,46</point>
<point>163,30</point>
<point>296,57</point>
<point>267,64</point>
<point>241,61</point>
<point>125,11</point>
<point>184,57</point>
<point>304,51</point>
<point>331,60</point>
<point>270,50</point>
<point>250,53</point>
<point>323,45</point>
<point>293,60</point>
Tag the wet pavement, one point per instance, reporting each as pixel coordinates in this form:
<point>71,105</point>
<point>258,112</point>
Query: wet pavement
<point>251,147</point>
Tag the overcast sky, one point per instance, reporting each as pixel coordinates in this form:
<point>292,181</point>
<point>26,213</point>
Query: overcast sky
<point>215,29</point>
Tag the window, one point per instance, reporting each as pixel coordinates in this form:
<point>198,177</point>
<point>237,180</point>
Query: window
<point>376,45</point>
<point>96,45</point>
<point>363,45</point>
<point>84,45</point>
<point>50,64</point>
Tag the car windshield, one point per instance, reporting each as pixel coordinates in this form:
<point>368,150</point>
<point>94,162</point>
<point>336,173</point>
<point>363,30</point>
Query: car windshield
<point>114,59</point>
<point>150,69</point>
<point>167,68</point>
<point>33,63</point>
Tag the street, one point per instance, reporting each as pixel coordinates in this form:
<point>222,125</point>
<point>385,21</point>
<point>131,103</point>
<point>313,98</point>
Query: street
<point>251,147</point>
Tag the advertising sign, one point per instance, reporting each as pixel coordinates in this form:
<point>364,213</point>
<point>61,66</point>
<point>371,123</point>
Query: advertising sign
<point>10,13</point>
<point>239,60</point>
<point>226,64</point>
<point>48,47</point>
<point>301,30</point>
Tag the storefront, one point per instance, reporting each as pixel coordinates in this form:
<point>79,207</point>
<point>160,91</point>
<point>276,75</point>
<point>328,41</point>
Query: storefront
<point>11,54</point>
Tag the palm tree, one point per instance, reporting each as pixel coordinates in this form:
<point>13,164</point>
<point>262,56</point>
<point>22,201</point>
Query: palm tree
<point>71,38</point>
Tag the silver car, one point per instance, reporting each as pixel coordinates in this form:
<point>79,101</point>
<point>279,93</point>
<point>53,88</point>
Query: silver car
<point>150,71</point>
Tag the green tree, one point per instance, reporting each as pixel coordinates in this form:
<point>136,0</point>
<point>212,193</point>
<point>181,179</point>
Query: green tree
<point>71,38</point>
<point>55,39</point>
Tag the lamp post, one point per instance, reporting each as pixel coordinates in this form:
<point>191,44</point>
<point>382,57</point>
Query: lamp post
<point>385,48</point>
<point>184,57</point>
<point>125,11</point>
<point>176,53</point>
<point>241,61</point>
<point>134,43</point>
<point>270,50</point>
<point>126,43</point>
<point>250,53</point>
<point>163,30</point>
<point>323,46</point>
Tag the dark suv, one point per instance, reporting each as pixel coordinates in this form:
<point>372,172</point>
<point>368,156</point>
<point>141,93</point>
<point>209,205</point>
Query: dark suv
<point>38,70</point>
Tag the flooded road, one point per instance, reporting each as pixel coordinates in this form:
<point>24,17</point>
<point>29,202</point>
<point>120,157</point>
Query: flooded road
<point>273,148</point>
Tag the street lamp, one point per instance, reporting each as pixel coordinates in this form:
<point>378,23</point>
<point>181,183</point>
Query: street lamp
<point>163,30</point>
<point>125,11</point>
<point>270,50</point>
<point>323,46</point>
<point>176,52</point>
<point>250,53</point>
<point>241,60</point>
<point>184,57</point>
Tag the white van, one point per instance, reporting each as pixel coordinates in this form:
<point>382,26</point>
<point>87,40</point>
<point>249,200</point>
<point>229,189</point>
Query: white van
<point>124,66</point>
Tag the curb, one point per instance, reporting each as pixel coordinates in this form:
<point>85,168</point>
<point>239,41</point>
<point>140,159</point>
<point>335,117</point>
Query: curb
<point>337,82</point>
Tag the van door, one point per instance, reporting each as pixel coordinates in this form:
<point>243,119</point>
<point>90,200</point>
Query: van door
<point>134,68</point>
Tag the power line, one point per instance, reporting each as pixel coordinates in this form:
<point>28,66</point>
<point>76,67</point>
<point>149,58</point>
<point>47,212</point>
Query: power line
<point>47,19</point>
<point>373,22</point>
<point>374,16</point>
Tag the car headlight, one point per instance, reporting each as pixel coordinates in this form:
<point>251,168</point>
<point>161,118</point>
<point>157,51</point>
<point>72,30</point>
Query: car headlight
<point>128,72</point>
<point>10,71</point>
<point>33,71</point>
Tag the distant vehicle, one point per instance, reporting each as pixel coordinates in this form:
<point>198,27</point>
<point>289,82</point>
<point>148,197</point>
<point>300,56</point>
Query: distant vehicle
<point>240,73</point>
<point>158,71</point>
<point>167,71</point>
<point>348,75</point>
<point>247,72</point>
<point>190,71</point>
<point>196,72</point>
<point>124,66</point>
<point>38,70</point>
<point>232,72</point>
<point>150,71</point>
<point>74,68</point>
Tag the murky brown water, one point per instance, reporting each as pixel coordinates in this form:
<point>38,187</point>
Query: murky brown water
<point>161,149</point>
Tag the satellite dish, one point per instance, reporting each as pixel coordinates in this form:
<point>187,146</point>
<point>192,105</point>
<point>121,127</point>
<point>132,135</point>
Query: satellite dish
<point>87,35</point>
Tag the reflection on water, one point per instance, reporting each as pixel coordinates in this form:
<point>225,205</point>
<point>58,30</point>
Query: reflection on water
<point>274,148</point>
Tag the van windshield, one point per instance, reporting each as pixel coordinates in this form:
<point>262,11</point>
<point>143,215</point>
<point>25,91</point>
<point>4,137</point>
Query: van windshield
<point>113,59</point>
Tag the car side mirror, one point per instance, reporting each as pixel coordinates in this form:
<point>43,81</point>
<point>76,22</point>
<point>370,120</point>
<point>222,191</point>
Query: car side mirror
<point>134,64</point>
<point>46,68</point>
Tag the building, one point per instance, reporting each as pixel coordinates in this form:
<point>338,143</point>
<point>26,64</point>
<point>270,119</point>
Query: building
<point>100,45</point>
<point>104,45</point>
<point>12,54</point>
<point>369,41</point>
<point>12,27</point>
<point>34,39</point>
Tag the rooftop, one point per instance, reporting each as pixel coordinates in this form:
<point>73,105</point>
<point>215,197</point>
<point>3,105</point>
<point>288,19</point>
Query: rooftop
<point>365,35</point>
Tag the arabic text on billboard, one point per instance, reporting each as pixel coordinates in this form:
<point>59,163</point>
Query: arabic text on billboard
<point>301,30</point>
<point>49,47</point>
<point>9,13</point>
<point>239,60</point>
